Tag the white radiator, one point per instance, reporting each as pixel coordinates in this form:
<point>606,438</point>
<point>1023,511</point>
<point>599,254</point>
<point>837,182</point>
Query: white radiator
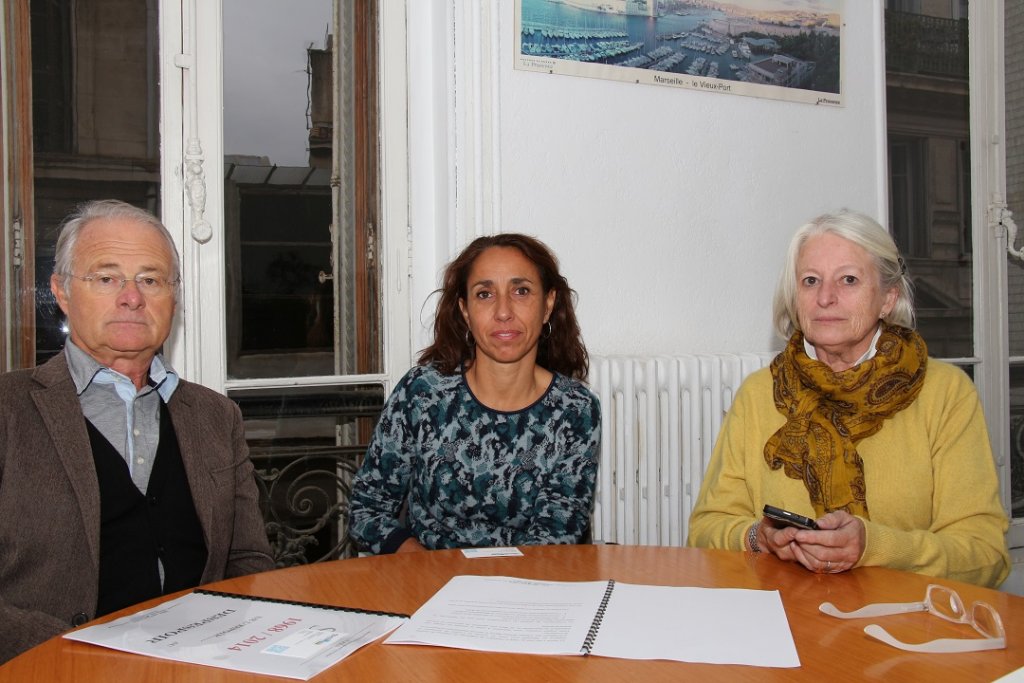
<point>660,417</point>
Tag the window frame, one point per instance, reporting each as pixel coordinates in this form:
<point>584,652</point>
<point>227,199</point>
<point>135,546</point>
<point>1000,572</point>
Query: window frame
<point>17,178</point>
<point>198,345</point>
<point>988,186</point>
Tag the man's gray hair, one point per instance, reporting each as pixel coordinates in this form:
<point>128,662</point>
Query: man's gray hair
<point>63,262</point>
<point>867,234</point>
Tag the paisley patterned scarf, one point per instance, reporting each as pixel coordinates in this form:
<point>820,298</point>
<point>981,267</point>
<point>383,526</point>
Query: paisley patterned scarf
<point>828,412</point>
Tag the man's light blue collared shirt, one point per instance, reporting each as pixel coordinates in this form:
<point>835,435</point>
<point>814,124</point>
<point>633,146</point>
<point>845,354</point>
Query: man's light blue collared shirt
<point>128,418</point>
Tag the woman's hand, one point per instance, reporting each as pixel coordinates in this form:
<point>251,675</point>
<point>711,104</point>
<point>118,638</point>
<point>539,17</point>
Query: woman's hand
<point>835,547</point>
<point>777,540</point>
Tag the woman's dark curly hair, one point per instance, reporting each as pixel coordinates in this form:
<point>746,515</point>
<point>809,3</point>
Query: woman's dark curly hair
<point>561,351</point>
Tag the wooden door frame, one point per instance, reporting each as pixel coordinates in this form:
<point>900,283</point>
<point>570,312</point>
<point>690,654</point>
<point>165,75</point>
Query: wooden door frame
<point>17,208</point>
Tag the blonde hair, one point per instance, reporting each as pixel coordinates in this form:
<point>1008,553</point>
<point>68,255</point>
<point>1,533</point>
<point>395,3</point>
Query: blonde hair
<point>866,233</point>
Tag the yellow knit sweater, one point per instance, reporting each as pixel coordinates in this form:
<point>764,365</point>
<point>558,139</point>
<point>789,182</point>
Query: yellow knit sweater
<point>932,489</point>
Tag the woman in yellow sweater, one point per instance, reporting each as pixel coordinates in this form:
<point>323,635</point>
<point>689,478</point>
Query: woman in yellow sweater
<point>853,425</point>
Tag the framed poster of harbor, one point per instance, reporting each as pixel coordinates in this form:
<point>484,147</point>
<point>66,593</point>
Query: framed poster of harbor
<point>782,49</point>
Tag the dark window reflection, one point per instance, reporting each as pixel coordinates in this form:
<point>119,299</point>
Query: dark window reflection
<point>927,120</point>
<point>285,245</point>
<point>301,189</point>
<point>95,109</point>
<point>51,76</point>
<point>1017,439</point>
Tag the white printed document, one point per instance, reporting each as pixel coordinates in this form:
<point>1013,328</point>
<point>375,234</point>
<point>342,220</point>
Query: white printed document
<point>244,633</point>
<point>605,618</point>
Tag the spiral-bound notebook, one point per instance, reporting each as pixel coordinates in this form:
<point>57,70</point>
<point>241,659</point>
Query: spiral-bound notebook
<point>244,633</point>
<point>604,618</point>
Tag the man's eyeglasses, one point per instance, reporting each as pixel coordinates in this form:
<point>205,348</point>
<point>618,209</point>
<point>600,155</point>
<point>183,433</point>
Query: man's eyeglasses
<point>109,284</point>
<point>942,602</point>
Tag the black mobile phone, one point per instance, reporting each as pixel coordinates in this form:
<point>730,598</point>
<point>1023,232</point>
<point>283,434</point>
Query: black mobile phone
<point>787,518</point>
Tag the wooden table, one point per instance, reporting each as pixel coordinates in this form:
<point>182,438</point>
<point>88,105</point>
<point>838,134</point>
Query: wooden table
<point>830,649</point>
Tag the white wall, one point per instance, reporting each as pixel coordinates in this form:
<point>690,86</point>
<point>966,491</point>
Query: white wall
<point>670,209</point>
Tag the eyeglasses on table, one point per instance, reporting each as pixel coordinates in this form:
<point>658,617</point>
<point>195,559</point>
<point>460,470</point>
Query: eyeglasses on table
<point>943,602</point>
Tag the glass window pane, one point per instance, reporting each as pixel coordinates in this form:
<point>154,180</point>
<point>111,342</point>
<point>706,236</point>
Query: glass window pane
<point>303,299</point>
<point>302,265</point>
<point>929,166</point>
<point>95,118</point>
<point>1014,65</point>
<point>1017,439</point>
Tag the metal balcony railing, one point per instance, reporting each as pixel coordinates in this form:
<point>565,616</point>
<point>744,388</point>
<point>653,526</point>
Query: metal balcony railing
<point>919,44</point>
<point>305,480</point>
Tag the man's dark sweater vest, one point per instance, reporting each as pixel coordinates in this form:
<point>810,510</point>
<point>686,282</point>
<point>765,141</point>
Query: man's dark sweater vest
<point>136,529</point>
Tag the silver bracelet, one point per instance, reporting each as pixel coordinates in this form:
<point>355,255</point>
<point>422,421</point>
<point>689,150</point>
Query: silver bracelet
<point>752,537</point>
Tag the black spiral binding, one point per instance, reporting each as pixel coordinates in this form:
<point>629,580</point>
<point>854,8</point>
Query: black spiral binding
<point>595,625</point>
<point>306,604</point>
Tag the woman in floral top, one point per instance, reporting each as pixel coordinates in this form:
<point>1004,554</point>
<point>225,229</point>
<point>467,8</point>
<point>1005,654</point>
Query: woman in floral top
<point>492,440</point>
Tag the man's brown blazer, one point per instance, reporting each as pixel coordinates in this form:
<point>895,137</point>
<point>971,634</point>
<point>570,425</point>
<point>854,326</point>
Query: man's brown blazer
<point>50,505</point>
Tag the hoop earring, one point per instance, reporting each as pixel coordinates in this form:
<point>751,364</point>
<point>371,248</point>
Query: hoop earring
<point>469,338</point>
<point>548,330</point>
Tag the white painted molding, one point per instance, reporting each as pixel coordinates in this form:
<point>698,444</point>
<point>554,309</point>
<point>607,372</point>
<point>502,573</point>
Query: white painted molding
<point>195,180</point>
<point>1001,215</point>
<point>192,151</point>
<point>882,139</point>
<point>172,190</point>
<point>393,98</point>
<point>195,184</point>
<point>475,106</point>
<point>988,187</point>
<point>454,145</point>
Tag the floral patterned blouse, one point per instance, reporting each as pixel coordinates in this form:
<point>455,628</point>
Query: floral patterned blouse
<point>473,476</point>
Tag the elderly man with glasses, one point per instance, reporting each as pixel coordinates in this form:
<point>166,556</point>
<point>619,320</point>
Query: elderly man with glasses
<point>119,481</point>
